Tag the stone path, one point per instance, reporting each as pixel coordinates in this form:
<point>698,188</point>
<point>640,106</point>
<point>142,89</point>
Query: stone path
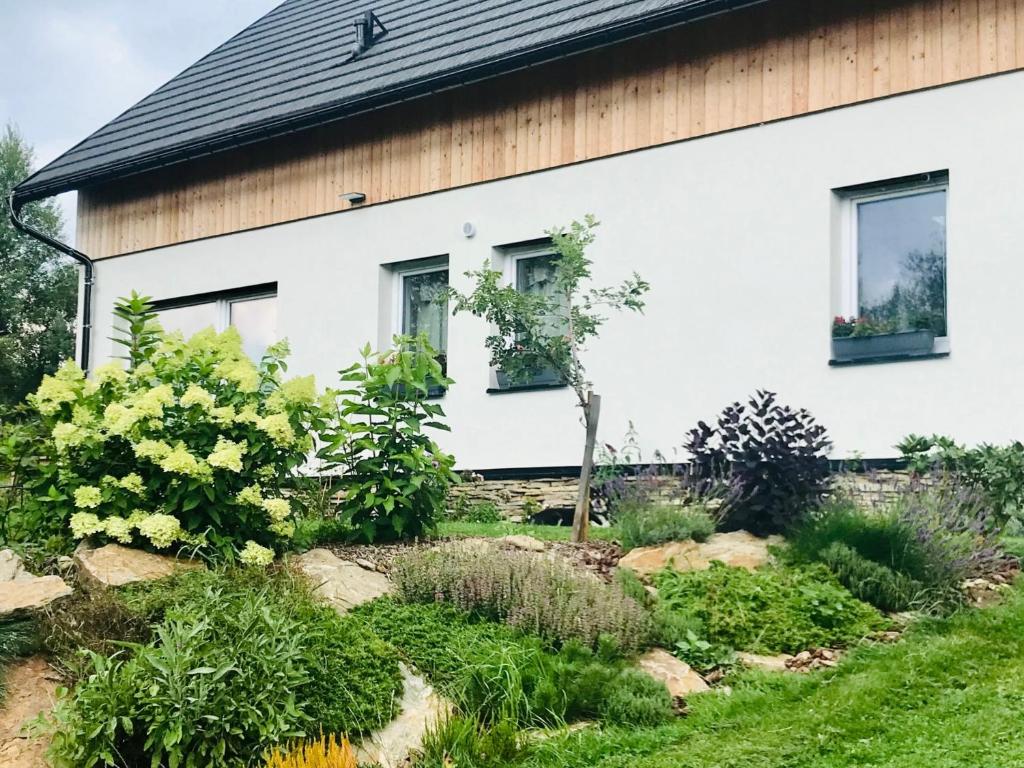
<point>31,691</point>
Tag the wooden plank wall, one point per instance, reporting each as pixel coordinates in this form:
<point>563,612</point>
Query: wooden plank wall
<point>778,60</point>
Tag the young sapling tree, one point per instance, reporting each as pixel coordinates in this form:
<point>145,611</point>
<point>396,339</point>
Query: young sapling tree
<point>537,331</point>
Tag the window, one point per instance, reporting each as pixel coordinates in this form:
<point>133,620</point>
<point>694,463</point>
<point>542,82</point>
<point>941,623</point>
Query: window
<point>532,270</point>
<point>893,293</point>
<point>252,311</point>
<point>420,306</point>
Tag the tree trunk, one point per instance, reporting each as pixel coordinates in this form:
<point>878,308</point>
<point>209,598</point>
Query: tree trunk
<point>581,520</point>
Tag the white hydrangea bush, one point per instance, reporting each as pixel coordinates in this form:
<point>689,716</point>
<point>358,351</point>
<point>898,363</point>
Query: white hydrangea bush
<point>194,445</point>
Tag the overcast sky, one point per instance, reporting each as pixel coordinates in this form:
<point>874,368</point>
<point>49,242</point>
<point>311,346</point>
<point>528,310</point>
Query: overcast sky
<point>70,66</point>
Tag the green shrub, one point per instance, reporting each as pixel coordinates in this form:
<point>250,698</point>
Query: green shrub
<point>214,690</point>
<point>913,554</point>
<point>771,458</point>
<point>872,582</point>
<point>275,662</point>
<point>657,523</point>
<point>192,444</point>
<point>393,477</point>
<point>482,512</point>
<point>771,610</point>
<point>997,471</point>
<point>549,598</point>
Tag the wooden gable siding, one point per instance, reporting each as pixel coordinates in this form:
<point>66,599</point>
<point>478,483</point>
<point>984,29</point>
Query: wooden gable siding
<point>782,59</point>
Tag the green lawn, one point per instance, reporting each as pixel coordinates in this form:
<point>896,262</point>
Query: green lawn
<point>542,532</point>
<point>949,695</point>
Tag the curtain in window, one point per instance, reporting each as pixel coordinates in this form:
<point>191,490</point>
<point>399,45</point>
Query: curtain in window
<point>425,310</point>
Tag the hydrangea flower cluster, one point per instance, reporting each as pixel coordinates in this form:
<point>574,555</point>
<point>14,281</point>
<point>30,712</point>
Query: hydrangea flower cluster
<point>209,440</point>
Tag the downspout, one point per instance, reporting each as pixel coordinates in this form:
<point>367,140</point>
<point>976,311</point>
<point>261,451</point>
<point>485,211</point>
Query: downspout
<point>14,206</point>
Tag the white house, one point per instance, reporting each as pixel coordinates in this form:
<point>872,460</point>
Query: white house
<point>766,166</point>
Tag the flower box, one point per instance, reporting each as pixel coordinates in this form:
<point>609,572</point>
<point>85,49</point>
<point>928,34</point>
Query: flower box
<point>902,344</point>
<point>545,378</point>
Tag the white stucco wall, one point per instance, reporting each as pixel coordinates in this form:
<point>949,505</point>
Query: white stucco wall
<point>735,234</point>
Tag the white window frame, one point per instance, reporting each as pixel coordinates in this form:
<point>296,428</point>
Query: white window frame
<point>398,290</point>
<point>849,273</point>
<point>221,304</point>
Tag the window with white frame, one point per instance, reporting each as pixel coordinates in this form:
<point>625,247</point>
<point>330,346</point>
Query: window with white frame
<point>252,311</point>
<point>893,269</point>
<point>420,303</point>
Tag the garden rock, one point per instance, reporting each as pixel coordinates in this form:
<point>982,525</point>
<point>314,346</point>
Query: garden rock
<point>11,567</point>
<point>420,709</point>
<point>768,663</point>
<point>341,583</point>
<point>114,566</point>
<point>31,691</point>
<point>524,542</point>
<point>24,596</point>
<point>737,549</point>
<point>819,658</point>
<point>677,675</point>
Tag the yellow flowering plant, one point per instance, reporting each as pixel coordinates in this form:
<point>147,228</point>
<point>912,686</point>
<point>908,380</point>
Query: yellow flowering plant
<point>189,443</point>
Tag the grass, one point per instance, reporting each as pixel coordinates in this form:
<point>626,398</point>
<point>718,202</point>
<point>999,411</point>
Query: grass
<point>949,695</point>
<point>460,530</point>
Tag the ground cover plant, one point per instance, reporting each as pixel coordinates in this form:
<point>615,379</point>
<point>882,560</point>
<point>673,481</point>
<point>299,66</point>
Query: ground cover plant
<point>770,458</point>
<point>549,598</point>
<point>392,477</point>
<point>237,662</point>
<point>770,610</point>
<point>950,695</point>
<point>192,444</point>
<point>324,752</point>
<point>500,675</point>
<point>914,553</point>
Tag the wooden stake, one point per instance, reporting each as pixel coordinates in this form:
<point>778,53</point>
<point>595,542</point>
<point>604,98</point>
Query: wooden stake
<point>581,519</point>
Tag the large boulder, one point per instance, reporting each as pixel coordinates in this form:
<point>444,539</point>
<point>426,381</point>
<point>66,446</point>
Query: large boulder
<point>523,542</point>
<point>738,549</point>
<point>341,583</point>
<point>677,675</point>
<point>395,744</point>
<point>23,596</point>
<point>31,691</point>
<point>115,566</point>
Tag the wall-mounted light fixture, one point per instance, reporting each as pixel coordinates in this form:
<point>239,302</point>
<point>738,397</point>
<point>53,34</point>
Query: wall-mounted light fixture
<point>355,198</point>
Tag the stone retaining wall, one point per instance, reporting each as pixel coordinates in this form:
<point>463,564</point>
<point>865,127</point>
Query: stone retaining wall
<point>516,499</point>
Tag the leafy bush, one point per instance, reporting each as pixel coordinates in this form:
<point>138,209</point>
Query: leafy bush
<point>770,610</point>
<point>194,443</point>
<point>481,512</point>
<point>872,582</point>
<point>997,471</point>
<point>241,660</point>
<point>549,598</point>
<point>209,691</point>
<point>772,458</point>
<point>913,554</point>
<point>324,752</point>
<point>394,478</point>
<point>644,526</point>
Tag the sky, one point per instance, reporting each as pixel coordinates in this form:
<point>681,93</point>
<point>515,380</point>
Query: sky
<point>70,66</point>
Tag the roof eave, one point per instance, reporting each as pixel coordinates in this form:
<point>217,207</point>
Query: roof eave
<point>28,191</point>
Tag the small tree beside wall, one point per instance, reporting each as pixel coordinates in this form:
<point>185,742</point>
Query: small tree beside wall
<point>533,332</point>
